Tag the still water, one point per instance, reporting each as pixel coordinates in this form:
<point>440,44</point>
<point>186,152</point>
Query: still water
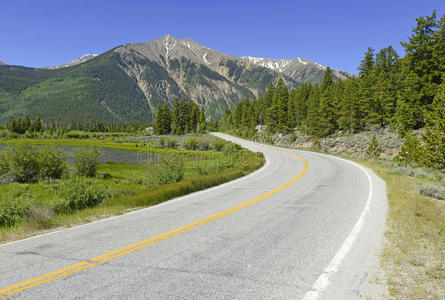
<point>111,155</point>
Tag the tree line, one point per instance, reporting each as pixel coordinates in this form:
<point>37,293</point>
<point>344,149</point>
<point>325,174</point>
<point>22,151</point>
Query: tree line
<point>184,117</point>
<point>403,93</point>
<point>26,125</point>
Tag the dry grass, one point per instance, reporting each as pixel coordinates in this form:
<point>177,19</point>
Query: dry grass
<point>414,255</point>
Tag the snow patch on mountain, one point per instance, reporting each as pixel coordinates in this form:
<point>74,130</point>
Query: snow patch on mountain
<point>274,64</point>
<point>77,61</point>
<point>204,57</point>
<point>169,43</point>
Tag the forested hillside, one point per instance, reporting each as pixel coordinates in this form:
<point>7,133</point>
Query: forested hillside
<point>127,83</point>
<point>403,93</point>
<point>97,89</point>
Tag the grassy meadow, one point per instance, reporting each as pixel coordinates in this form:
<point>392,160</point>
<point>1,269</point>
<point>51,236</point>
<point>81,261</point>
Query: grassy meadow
<point>177,166</point>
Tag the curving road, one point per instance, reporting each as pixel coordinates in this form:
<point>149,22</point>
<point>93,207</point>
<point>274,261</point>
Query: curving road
<point>305,225</point>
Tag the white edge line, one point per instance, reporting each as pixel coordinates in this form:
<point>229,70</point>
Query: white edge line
<point>322,281</point>
<point>168,202</point>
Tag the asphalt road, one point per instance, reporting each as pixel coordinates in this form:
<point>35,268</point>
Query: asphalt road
<point>307,226</point>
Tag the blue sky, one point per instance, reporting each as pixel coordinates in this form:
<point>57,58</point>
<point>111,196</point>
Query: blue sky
<point>334,33</point>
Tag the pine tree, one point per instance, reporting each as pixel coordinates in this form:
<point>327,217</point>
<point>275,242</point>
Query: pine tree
<point>425,52</point>
<point>162,120</point>
<point>434,135</point>
<point>327,113</point>
<point>36,126</point>
<point>175,121</point>
<point>272,118</point>
<point>367,63</point>
<point>313,125</point>
<point>194,117</point>
<point>26,123</point>
<point>412,152</point>
<point>408,112</point>
<point>374,150</point>
<point>280,99</point>
<point>352,113</point>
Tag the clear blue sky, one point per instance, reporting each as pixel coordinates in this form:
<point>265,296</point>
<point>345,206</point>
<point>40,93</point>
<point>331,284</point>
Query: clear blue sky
<point>334,33</point>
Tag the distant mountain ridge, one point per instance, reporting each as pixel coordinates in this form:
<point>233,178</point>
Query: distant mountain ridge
<point>77,61</point>
<point>2,63</point>
<point>128,82</point>
<point>299,69</point>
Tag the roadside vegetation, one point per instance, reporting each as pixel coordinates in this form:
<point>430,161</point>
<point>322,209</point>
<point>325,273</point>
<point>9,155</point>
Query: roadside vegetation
<point>44,187</point>
<point>414,254</point>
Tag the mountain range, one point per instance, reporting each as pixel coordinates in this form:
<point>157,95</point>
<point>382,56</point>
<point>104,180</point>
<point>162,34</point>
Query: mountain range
<point>126,84</point>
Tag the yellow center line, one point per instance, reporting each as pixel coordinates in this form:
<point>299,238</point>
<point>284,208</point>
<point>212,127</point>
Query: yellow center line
<point>16,288</point>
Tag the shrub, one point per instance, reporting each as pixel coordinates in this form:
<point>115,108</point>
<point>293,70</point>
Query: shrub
<point>292,137</point>
<point>231,148</point>
<point>23,163</point>
<point>39,217</point>
<point>169,170</point>
<point>433,191</point>
<point>412,152</point>
<point>424,173</point>
<point>190,143</point>
<point>374,150</point>
<point>162,142</point>
<point>77,135</point>
<point>403,171</point>
<point>13,208</point>
<point>201,170</point>
<point>52,163</point>
<point>78,193</point>
<point>86,161</point>
<point>4,164</point>
<point>203,144</point>
<point>171,143</point>
<point>218,144</point>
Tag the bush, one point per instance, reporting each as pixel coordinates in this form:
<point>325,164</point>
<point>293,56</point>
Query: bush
<point>23,163</point>
<point>425,173</point>
<point>203,144</point>
<point>403,171</point>
<point>374,150</point>
<point>190,143</point>
<point>13,208</point>
<point>52,163</point>
<point>171,143</point>
<point>162,142</point>
<point>78,193</point>
<point>86,161</point>
<point>231,148</point>
<point>292,137</point>
<point>4,164</point>
<point>169,170</point>
<point>433,191</point>
<point>412,152</point>
<point>218,144</point>
<point>39,217</point>
<point>77,135</point>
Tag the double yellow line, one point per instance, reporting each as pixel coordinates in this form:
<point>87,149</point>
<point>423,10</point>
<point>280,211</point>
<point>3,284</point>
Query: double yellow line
<point>25,285</point>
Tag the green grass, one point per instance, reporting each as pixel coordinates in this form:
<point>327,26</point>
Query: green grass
<point>104,143</point>
<point>129,185</point>
<point>414,254</point>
